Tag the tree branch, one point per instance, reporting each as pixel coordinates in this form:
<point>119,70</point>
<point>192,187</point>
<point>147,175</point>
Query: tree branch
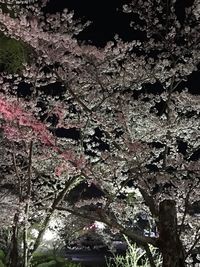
<point>112,223</point>
<point>53,207</point>
<point>197,239</point>
<point>27,207</point>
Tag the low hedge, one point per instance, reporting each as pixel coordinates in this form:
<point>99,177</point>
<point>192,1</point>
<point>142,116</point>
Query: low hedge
<point>49,260</point>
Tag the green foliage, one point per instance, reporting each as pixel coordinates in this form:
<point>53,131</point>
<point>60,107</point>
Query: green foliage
<point>131,198</point>
<point>71,264</point>
<point>1,264</point>
<point>12,55</point>
<point>41,258</point>
<point>132,257</point>
<point>2,258</point>
<point>50,260</point>
<point>48,264</point>
<point>2,255</point>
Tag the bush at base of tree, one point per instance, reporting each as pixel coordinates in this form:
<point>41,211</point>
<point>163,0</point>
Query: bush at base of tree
<point>2,258</point>
<point>134,257</point>
<point>2,255</point>
<point>50,260</point>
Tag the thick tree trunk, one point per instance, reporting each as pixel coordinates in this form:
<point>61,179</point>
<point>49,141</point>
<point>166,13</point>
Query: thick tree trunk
<point>14,257</point>
<point>169,241</point>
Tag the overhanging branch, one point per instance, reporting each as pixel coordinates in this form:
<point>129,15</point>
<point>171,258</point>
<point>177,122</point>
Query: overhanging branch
<point>102,216</point>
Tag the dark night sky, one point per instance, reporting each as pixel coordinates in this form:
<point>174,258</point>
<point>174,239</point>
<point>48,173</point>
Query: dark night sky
<point>108,20</point>
<point>107,17</point>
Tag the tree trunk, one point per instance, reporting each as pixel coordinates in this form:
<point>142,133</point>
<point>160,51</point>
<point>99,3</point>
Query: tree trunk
<point>169,240</point>
<point>14,257</point>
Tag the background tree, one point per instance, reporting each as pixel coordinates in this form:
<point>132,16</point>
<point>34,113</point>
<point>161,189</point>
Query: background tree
<point>135,120</point>
<point>12,55</point>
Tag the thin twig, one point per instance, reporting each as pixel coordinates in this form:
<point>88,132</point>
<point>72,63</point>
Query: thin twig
<point>197,239</point>
<point>17,173</point>
<point>27,207</point>
<point>185,210</point>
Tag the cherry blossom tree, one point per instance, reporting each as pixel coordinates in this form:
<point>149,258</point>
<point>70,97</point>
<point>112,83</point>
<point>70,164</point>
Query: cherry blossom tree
<point>133,111</point>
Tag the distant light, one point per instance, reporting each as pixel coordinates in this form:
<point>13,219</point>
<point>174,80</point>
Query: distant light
<point>99,225</point>
<point>94,226</point>
<point>34,233</point>
<point>49,235</point>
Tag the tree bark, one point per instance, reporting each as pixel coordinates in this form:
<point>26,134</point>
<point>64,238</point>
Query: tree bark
<point>14,257</point>
<point>27,208</point>
<point>169,240</point>
<point>49,214</point>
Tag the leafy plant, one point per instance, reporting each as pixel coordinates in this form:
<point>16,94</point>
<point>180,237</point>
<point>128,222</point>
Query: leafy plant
<point>49,259</point>
<point>13,55</point>
<point>2,258</point>
<point>1,264</point>
<point>133,256</point>
<point>48,264</point>
<point>2,255</point>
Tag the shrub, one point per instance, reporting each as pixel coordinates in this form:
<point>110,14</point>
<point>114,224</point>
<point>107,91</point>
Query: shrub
<point>1,264</point>
<point>133,256</point>
<point>50,260</point>
<point>39,258</point>
<point>48,264</point>
<point>2,255</point>
<point>12,55</point>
